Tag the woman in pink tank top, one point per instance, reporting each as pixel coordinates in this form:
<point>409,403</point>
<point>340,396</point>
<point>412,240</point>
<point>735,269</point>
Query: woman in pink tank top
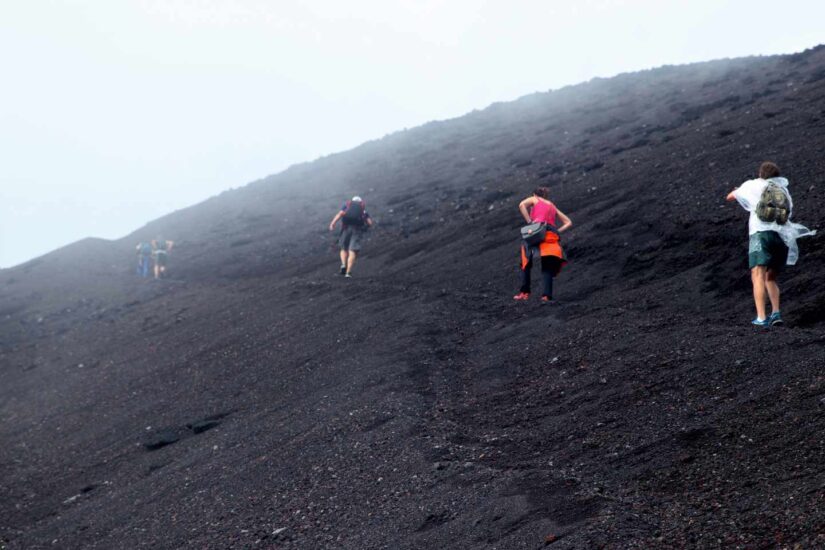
<point>552,257</point>
<point>543,211</point>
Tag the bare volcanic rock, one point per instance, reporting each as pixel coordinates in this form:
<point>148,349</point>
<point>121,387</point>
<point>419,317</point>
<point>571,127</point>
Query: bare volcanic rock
<point>256,399</point>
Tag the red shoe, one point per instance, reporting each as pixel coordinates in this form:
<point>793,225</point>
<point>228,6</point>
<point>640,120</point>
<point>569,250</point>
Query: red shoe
<point>522,296</point>
<point>546,300</point>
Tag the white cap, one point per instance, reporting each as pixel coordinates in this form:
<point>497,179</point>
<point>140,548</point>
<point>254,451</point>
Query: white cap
<point>356,198</point>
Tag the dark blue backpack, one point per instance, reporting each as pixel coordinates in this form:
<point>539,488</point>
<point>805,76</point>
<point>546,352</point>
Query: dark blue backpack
<point>354,213</point>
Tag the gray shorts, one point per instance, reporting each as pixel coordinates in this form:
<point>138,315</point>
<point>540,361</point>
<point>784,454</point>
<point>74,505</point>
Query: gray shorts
<point>351,238</point>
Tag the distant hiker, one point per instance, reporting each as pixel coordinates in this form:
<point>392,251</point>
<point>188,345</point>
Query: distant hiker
<point>354,223</point>
<point>144,255</point>
<point>541,237</point>
<point>773,236</point>
<point>160,252</point>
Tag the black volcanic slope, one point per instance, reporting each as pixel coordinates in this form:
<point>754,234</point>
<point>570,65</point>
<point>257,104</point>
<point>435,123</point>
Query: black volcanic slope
<point>257,400</point>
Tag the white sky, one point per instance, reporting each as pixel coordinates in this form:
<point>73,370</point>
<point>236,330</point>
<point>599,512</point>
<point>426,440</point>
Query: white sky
<point>114,112</point>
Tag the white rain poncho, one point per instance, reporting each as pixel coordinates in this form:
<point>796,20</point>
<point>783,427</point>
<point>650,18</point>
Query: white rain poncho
<point>748,195</point>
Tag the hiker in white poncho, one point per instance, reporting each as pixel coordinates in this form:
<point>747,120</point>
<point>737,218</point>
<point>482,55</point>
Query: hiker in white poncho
<point>772,242</point>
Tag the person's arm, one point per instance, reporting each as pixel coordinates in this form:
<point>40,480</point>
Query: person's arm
<point>566,223</point>
<point>369,220</point>
<point>169,245</point>
<point>335,220</point>
<point>747,194</point>
<point>522,207</point>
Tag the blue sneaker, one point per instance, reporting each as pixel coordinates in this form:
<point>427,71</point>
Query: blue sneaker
<point>776,319</point>
<point>761,322</point>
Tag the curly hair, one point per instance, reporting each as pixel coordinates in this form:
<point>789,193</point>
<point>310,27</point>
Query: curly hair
<point>768,170</point>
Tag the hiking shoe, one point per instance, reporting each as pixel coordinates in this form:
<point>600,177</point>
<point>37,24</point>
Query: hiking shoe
<point>761,322</point>
<point>546,299</point>
<point>776,319</point>
<point>347,275</point>
<point>343,270</point>
<point>522,296</point>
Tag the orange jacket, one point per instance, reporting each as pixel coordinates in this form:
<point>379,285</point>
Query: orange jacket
<point>550,247</point>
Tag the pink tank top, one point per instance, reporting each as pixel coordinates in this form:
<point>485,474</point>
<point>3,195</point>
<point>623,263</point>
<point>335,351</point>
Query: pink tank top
<point>543,211</point>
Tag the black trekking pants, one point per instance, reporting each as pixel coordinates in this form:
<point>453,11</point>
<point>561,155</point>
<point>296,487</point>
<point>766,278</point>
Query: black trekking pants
<point>550,266</point>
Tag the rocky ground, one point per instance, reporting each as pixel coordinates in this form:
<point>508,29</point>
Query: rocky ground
<point>258,400</point>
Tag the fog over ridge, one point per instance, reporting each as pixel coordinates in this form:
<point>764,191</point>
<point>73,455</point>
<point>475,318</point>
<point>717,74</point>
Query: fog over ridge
<point>121,112</point>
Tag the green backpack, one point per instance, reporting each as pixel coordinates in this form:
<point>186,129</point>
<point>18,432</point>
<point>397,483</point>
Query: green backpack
<point>774,205</point>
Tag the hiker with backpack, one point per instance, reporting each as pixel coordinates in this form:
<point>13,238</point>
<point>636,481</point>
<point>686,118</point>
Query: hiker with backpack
<point>160,252</point>
<point>541,239</point>
<point>144,254</point>
<point>772,241</point>
<point>354,223</point>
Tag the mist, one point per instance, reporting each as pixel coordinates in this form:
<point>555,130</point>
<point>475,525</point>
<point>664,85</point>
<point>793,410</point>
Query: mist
<point>113,114</point>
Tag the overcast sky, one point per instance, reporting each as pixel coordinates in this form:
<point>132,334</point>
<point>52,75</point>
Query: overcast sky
<point>114,112</point>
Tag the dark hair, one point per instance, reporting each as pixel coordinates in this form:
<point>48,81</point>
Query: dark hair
<point>768,170</point>
<point>542,192</point>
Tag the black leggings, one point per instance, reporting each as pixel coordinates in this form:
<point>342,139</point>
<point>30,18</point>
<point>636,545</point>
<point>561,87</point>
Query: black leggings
<point>550,266</point>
